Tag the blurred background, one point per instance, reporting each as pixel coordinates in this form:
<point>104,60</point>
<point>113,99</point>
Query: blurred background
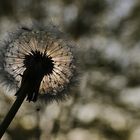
<point>105,104</point>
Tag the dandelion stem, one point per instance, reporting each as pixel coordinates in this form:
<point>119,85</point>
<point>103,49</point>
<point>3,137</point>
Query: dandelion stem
<point>31,80</point>
<point>12,112</point>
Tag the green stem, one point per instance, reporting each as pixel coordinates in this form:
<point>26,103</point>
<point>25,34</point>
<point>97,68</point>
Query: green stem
<point>12,112</point>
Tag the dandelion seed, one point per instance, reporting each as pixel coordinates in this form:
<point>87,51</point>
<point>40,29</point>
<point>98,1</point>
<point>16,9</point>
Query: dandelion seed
<point>43,58</point>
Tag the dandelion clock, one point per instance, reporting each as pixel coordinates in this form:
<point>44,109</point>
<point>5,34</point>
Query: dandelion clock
<point>38,63</point>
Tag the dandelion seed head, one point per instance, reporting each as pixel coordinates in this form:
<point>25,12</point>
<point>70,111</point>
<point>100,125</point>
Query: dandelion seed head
<point>43,50</point>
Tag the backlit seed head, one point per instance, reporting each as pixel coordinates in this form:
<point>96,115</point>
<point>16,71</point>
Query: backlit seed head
<point>41,49</point>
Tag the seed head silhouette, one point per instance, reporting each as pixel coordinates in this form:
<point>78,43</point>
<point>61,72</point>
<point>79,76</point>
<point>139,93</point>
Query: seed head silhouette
<point>40,58</point>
